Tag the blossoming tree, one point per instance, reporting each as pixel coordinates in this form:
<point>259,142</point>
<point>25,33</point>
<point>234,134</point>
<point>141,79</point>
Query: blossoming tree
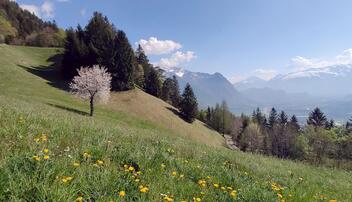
<point>92,83</point>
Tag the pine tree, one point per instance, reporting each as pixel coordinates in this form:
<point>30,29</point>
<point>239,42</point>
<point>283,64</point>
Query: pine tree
<point>330,124</point>
<point>272,118</point>
<point>188,105</point>
<point>317,118</point>
<point>175,93</point>
<point>166,89</point>
<point>282,118</point>
<point>153,83</point>
<point>100,36</point>
<point>124,62</point>
<point>294,123</point>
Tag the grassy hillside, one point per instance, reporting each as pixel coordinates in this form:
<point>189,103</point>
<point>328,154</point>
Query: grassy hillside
<point>134,142</point>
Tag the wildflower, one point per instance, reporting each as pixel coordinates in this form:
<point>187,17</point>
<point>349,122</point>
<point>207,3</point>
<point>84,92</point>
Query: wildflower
<point>197,199</point>
<point>137,180</point>
<point>300,178</point>
<point>168,198</point>
<point>100,162</point>
<point>279,195</point>
<point>333,200</point>
<point>202,183</point>
<point>208,177</point>
<point>139,172</point>
<point>122,193</point>
<point>163,165</point>
<point>216,185</point>
<point>223,188</point>
<point>229,188</point>
<point>36,158</point>
<point>174,173</point>
<point>233,193</point>
<point>44,138</point>
<point>66,179</point>
<point>79,199</point>
<point>46,157</point>
<point>76,165</point>
<point>202,193</point>
<point>182,175</point>
<point>185,161</point>
<point>86,155</point>
<point>131,168</point>
<point>143,189</point>
<point>46,151</point>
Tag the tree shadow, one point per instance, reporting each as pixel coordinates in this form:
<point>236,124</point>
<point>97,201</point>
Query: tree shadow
<point>69,109</point>
<point>50,73</point>
<point>177,113</point>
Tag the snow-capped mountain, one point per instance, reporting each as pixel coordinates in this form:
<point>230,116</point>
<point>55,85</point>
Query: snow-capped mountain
<point>325,81</point>
<point>209,88</point>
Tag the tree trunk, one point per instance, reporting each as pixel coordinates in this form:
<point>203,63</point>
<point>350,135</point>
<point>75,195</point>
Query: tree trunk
<point>91,105</point>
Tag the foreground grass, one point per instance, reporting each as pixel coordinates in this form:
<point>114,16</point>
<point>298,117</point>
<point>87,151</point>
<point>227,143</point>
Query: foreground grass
<point>97,158</point>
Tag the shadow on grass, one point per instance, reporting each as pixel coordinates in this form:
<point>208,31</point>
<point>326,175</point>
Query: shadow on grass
<point>69,109</point>
<point>50,73</point>
<point>177,113</point>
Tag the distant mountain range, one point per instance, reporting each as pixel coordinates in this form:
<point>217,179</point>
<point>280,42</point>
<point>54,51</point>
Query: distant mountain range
<point>296,93</point>
<point>330,81</point>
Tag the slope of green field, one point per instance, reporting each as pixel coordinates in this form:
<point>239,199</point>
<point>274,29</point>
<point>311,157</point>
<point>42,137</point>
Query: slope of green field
<point>134,144</point>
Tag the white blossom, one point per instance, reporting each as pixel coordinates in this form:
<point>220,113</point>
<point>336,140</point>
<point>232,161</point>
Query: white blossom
<point>92,83</point>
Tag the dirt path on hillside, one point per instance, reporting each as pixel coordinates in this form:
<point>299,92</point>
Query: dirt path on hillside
<point>230,143</point>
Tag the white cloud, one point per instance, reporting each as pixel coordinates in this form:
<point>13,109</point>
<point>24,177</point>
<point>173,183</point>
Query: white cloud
<point>153,46</point>
<point>31,8</point>
<point>301,63</point>
<point>46,10</point>
<point>176,59</point>
<point>237,78</point>
<point>63,0</point>
<point>265,74</point>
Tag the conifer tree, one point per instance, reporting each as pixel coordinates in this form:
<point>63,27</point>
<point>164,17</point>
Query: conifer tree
<point>124,62</point>
<point>175,92</point>
<point>188,105</point>
<point>272,118</point>
<point>100,36</point>
<point>317,118</point>
<point>166,89</point>
<point>153,83</point>
<point>282,118</point>
<point>294,123</point>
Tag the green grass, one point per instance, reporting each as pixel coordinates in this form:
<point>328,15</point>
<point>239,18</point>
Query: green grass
<point>125,132</point>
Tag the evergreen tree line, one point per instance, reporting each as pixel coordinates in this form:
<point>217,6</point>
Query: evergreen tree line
<point>20,27</point>
<point>101,43</point>
<point>219,118</point>
<point>319,141</point>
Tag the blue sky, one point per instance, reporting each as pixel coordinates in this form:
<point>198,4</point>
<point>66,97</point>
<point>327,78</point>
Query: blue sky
<point>233,37</point>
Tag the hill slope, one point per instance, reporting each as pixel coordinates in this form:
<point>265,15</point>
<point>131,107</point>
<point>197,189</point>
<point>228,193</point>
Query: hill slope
<point>87,155</point>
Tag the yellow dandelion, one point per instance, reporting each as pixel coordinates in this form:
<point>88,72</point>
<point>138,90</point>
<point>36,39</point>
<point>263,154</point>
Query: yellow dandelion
<point>202,193</point>
<point>44,137</point>
<point>46,151</point>
<point>279,195</point>
<point>168,199</point>
<point>36,158</point>
<point>216,185</point>
<point>174,173</point>
<point>163,165</point>
<point>333,200</point>
<point>122,193</point>
<point>197,199</point>
<point>143,189</point>
<point>137,180</point>
<point>131,168</point>
<point>229,188</point>
<point>46,157</point>
<point>139,172</point>
<point>79,199</point>
<point>100,162</point>
<point>86,155</point>
<point>182,176</point>
<point>233,193</point>
<point>76,165</point>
